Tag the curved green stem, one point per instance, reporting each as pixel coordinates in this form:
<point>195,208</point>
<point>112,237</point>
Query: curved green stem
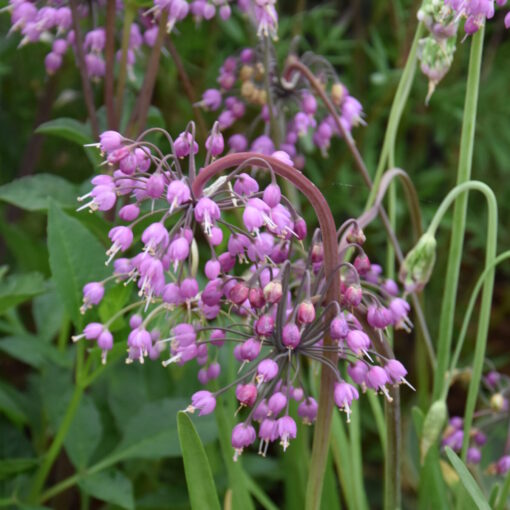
<point>467,316</point>
<point>397,108</point>
<point>458,193</point>
<point>459,216</point>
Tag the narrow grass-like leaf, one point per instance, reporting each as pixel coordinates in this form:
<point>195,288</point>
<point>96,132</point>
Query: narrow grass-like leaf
<point>467,480</point>
<point>201,488</point>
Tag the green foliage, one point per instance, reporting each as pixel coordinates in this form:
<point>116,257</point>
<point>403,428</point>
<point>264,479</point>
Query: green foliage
<point>202,491</point>
<point>35,192</point>
<point>76,257</point>
<point>121,443</point>
<point>467,480</point>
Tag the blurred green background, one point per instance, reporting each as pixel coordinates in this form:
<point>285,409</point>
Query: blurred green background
<point>367,42</point>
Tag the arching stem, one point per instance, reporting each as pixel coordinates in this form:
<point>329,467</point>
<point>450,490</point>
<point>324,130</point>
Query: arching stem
<point>328,231</point>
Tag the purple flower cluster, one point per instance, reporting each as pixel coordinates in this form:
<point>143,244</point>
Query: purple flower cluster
<point>453,437</point>
<point>51,22</point>
<point>495,392</point>
<point>242,84</point>
<point>263,289</point>
<point>476,12</point>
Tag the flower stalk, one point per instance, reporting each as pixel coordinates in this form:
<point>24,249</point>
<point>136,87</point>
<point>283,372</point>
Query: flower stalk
<point>328,230</point>
<point>459,215</point>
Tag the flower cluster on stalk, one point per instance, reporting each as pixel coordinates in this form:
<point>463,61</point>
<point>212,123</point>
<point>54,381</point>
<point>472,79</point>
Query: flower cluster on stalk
<point>494,410</point>
<point>261,289</point>
<point>476,12</point>
<point>252,90</point>
<point>51,22</point>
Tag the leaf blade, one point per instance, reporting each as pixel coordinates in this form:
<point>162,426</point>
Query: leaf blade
<point>76,257</point>
<point>467,480</point>
<point>201,487</point>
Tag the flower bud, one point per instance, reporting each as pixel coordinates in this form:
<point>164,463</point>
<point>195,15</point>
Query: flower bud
<point>306,312</point>
<point>418,265</point>
<point>273,292</point>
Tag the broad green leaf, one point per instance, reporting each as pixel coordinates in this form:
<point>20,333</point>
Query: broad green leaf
<point>34,192</point>
<point>110,486</point>
<point>30,253</point>
<point>48,311</point>
<point>33,351</point>
<point>76,257</point>
<point>10,404</point>
<point>84,434</point>
<point>11,467</point>
<point>114,300</point>
<point>467,480</point>
<point>69,129</point>
<point>152,432</point>
<point>17,288</point>
<point>201,488</point>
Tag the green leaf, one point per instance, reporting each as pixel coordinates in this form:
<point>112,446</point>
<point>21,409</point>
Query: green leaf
<point>17,288</point>
<point>467,480</point>
<point>201,488</point>
<point>30,254</point>
<point>48,311</point>
<point>69,129</point>
<point>114,300</point>
<point>10,405</point>
<point>76,257</point>
<point>152,433</point>
<point>11,467</point>
<point>110,486</point>
<point>84,433</point>
<point>432,426</point>
<point>33,351</point>
<point>34,192</point>
<point>418,419</point>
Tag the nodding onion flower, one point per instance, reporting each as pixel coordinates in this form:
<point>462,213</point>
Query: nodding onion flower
<point>265,290</point>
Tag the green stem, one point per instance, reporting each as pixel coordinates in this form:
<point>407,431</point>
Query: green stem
<point>504,493</point>
<point>56,445</point>
<point>467,316</point>
<point>459,215</point>
<point>458,193</point>
<point>377,411</point>
<point>397,108</point>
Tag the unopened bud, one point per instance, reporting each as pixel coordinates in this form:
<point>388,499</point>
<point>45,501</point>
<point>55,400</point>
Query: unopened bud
<point>498,402</point>
<point>417,266</point>
<point>356,235</point>
<point>338,93</point>
<point>273,292</point>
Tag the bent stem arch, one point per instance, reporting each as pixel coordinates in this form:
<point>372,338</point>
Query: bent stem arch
<point>328,231</point>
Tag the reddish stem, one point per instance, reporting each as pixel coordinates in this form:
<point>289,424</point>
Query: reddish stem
<point>139,113</point>
<point>80,56</point>
<point>110,63</point>
<point>328,232</point>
